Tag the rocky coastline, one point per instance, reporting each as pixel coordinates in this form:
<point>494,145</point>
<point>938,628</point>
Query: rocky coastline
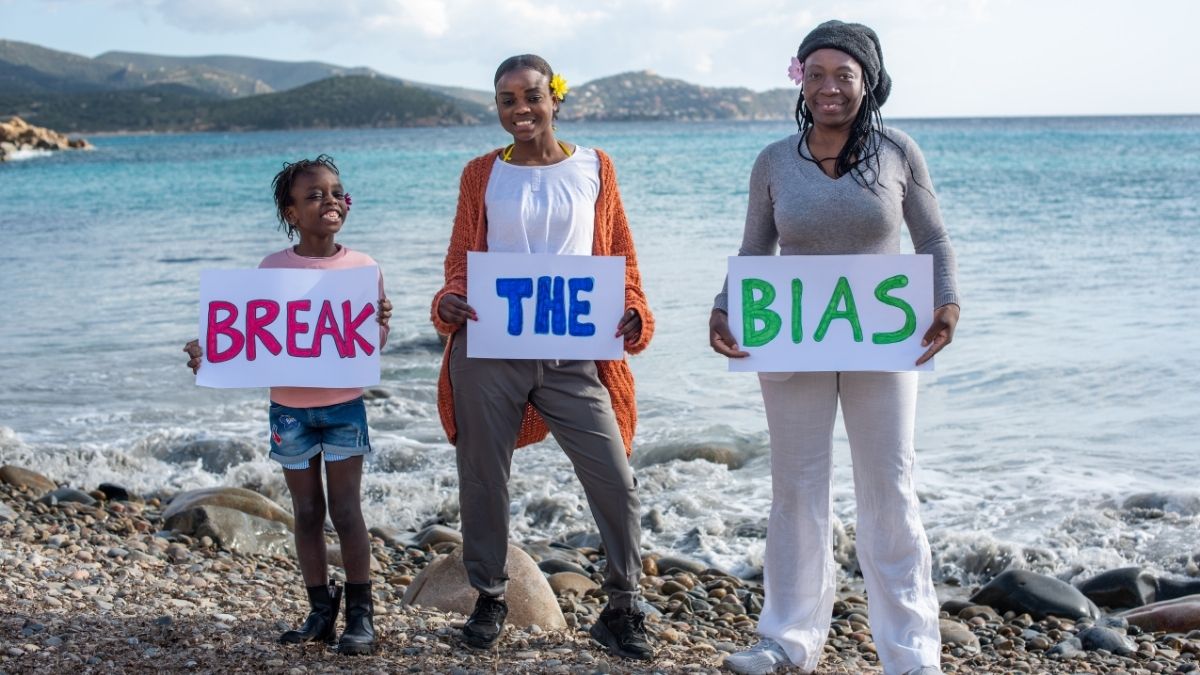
<point>203,581</point>
<point>17,135</point>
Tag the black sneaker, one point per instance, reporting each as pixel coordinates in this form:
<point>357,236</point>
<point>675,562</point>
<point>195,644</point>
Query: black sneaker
<point>623,631</point>
<point>483,629</point>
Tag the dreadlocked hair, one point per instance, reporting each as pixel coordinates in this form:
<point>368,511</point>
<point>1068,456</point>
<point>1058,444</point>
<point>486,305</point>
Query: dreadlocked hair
<point>283,181</point>
<point>860,155</point>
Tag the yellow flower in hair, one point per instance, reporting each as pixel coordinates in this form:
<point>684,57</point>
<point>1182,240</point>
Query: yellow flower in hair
<point>558,87</point>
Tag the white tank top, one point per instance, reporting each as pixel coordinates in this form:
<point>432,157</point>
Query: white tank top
<point>544,209</point>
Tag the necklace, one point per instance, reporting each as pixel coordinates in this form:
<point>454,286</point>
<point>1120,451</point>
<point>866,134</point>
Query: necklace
<point>506,155</point>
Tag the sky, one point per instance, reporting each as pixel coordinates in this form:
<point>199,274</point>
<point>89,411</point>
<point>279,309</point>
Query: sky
<point>947,58</point>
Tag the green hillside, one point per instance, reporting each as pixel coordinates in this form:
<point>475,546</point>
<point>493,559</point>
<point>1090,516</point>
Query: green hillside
<point>646,96</point>
<point>356,101</point>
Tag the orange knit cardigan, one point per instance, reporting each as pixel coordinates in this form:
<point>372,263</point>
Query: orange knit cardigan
<point>611,238</point>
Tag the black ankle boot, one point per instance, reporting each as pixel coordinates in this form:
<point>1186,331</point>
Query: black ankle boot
<point>359,636</point>
<point>321,623</point>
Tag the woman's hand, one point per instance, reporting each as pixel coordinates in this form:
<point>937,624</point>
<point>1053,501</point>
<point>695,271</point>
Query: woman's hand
<point>630,327</point>
<point>193,350</point>
<point>719,337</point>
<point>384,313</point>
<point>453,309</point>
<point>941,333</point>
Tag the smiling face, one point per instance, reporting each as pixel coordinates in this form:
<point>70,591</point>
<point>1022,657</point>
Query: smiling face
<point>833,88</point>
<point>524,104</point>
<point>318,204</point>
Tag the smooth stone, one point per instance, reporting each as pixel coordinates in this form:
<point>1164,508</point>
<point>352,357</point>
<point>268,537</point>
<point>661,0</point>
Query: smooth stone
<point>234,530</point>
<point>670,564</point>
<point>240,499</point>
<point>1180,615</point>
<point>1121,588</point>
<point>583,539</point>
<point>688,452</point>
<point>24,478</point>
<point>971,611</point>
<point>1101,637</point>
<point>564,582</point>
<point>1038,595</point>
<point>1170,589</point>
<point>438,534</point>
<point>653,521</point>
<point>1067,649</point>
<point>113,492</point>
<point>957,634</point>
<point>7,513</point>
<point>65,495</point>
<point>443,585</point>
<point>215,455</point>
<point>553,566</point>
<point>953,607</point>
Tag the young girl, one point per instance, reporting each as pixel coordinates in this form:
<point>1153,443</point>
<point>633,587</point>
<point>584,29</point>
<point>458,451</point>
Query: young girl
<point>310,423</point>
<point>541,195</point>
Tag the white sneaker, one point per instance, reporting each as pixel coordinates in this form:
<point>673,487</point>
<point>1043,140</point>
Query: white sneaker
<point>762,658</point>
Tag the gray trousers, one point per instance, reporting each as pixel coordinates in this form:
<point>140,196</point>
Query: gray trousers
<point>489,402</point>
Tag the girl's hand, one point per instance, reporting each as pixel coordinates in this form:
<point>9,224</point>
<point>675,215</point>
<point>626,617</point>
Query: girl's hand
<point>193,350</point>
<point>941,333</point>
<point>719,337</point>
<point>630,327</point>
<point>384,314</point>
<point>454,309</point>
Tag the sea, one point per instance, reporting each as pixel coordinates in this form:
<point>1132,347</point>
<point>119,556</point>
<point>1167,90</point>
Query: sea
<point>1058,432</point>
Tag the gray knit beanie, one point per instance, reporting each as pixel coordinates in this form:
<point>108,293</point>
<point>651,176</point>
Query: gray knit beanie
<point>859,42</point>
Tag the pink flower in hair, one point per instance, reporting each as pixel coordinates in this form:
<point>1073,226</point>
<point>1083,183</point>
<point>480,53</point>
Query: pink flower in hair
<point>347,198</point>
<point>796,71</point>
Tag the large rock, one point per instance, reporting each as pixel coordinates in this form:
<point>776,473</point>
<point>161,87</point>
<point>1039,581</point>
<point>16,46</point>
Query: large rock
<point>1129,587</point>
<point>16,134</point>
<point>687,452</point>
<point>233,529</point>
<point>236,498</point>
<point>215,455</point>
<point>24,478</point>
<point>443,585</point>
<point>1038,595</point>
<point>1172,616</point>
<point>1120,588</point>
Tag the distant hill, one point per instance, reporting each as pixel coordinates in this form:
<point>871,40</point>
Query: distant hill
<point>126,91</point>
<point>246,76</point>
<point>646,96</point>
<point>353,101</point>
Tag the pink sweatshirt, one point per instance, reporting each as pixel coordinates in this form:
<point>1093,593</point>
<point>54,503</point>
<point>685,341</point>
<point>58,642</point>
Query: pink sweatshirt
<point>315,397</point>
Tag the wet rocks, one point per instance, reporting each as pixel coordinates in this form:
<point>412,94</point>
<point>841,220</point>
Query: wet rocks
<point>1038,595</point>
<point>1173,616</point>
<point>238,499</point>
<point>16,135</point>
<point>215,455</point>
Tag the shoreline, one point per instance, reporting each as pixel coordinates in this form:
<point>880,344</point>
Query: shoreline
<point>104,587</point>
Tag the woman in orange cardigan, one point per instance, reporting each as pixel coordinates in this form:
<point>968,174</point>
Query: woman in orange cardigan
<point>541,195</point>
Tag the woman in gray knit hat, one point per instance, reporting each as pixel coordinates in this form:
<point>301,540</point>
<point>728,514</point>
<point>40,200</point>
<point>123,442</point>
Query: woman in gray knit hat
<point>844,184</point>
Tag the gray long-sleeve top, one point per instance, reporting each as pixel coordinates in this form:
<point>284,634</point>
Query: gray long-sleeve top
<point>795,206</point>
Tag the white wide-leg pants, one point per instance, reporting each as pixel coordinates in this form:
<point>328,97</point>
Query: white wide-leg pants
<point>879,410</point>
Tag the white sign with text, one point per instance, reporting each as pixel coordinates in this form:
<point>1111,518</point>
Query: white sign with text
<point>830,312</point>
<point>289,327</point>
<point>541,306</point>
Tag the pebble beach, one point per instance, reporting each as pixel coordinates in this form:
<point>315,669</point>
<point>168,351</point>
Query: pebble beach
<point>97,584</point>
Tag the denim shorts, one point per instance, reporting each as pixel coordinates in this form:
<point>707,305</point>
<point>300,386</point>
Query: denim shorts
<point>338,430</point>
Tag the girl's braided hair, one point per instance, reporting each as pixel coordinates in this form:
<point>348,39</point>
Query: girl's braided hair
<point>283,181</point>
